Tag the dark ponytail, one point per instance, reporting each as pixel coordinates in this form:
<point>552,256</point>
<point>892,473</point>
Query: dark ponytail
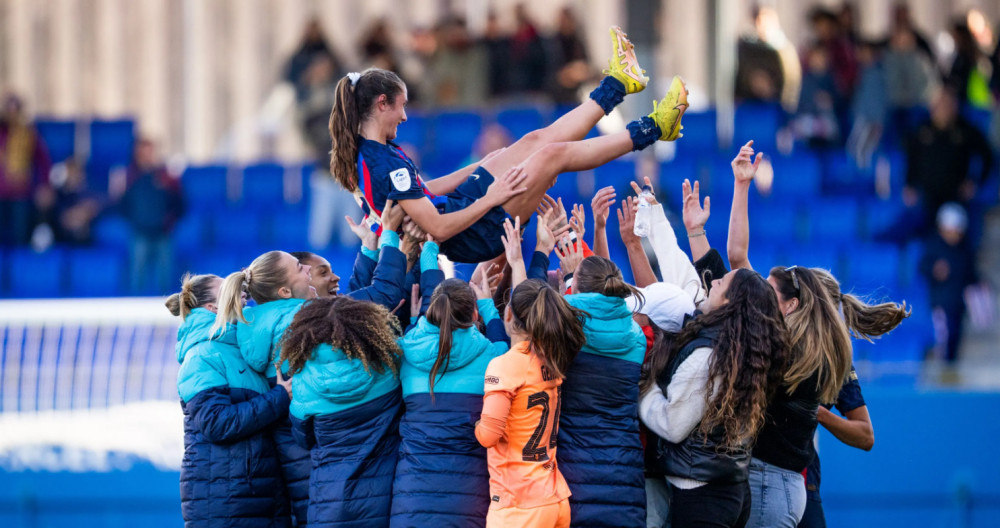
<point>554,328</point>
<point>352,106</point>
<point>599,275</point>
<point>452,307</point>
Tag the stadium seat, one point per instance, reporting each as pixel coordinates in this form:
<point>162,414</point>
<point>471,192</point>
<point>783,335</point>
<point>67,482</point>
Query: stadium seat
<point>816,255</point>
<point>237,228</point>
<point>872,269</point>
<point>191,232</point>
<point>111,142</point>
<point>770,224</point>
<point>414,132</point>
<point>218,262</point>
<point>97,272</point>
<point>59,137</point>
<point>454,134</point>
<point>675,171</point>
<point>617,173</point>
<point>797,175</point>
<point>699,132</point>
<point>289,229</point>
<point>880,215</point>
<point>204,187</point>
<point>520,120</point>
<point>833,220</point>
<point>759,122</point>
<point>112,231</point>
<point>264,186</point>
<point>34,275</point>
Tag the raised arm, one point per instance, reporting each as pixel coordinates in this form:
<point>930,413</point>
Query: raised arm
<point>854,429</point>
<point>675,266</point>
<point>695,217</point>
<point>642,271</point>
<point>601,205</point>
<point>443,226</point>
<point>512,243</point>
<point>738,243</point>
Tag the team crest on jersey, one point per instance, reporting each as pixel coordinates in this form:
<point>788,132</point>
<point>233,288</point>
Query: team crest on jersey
<point>400,179</point>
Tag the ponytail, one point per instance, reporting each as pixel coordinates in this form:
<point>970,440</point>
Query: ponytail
<point>554,328</point>
<point>599,275</point>
<point>261,280</point>
<point>451,308</point>
<point>864,320</point>
<point>196,291</point>
<point>354,100</point>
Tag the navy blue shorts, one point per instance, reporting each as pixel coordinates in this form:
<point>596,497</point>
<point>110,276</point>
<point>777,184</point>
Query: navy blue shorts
<point>481,241</point>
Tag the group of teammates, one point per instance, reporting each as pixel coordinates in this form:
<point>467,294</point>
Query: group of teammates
<point>313,408</point>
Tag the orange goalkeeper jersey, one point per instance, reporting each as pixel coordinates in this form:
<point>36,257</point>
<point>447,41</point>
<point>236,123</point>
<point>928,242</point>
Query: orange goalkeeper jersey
<point>523,470</point>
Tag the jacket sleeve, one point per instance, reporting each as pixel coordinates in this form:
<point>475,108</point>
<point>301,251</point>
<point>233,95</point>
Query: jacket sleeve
<point>389,279</point>
<point>362,274</point>
<point>495,330</point>
<point>302,432</point>
<point>675,266</point>
<point>674,415</point>
<point>222,421</point>
<point>429,280</point>
<point>539,267</point>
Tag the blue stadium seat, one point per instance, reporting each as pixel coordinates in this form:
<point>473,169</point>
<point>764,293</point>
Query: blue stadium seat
<point>36,275</point>
<point>204,187</point>
<point>454,134</point>
<point>833,220</point>
<point>979,117</point>
<point>191,232</point>
<point>112,231</point>
<point>617,173</point>
<point>290,229</point>
<point>96,272</point>
<point>699,132</point>
<point>675,171</point>
<point>815,255</point>
<point>414,132</point>
<point>264,186</point>
<point>59,137</point>
<point>111,142</point>
<point>881,215</point>
<point>3,272</point>
<point>520,120</point>
<point>218,262</point>
<point>797,175</point>
<point>768,225</point>
<point>872,269</point>
<point>237,228</point>
<point>759,122</point>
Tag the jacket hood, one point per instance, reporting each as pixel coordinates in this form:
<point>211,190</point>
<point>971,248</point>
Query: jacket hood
<point>195,329</point>
<point>258,340</point>
<point>420,346</point>
<point>609,327</point>
<point>335,377</point>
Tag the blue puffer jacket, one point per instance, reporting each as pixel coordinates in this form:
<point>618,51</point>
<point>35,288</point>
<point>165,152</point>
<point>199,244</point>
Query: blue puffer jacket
<point>600,453</point>
<point>442,479</point>
<point>259,342</point>
<point>349,417</point>
<point>230,468</point>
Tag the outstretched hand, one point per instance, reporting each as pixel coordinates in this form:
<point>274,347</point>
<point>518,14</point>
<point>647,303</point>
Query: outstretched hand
<point>744,164</point>
<point>600,206</point>
<point>392,216</point>
<point>553,210</point>
<point>638,190</point>
<point>486,284</point>
<point>578,221</point>
<point>570,255</point>
<point>695,216</point>
<point>362,231</point>
<point>283,381</point>
<point>507,186</point>
<point>626,221</point>
<point>512,240</point>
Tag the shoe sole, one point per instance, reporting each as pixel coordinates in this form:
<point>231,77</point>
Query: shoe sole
<point>626,59</point>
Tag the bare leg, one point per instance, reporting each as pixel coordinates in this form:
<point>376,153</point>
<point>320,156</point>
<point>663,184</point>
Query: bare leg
<point>553,159</point>
<point>573,126</point>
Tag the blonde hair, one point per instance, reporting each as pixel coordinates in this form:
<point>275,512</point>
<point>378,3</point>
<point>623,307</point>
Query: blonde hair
<point>196,291</point>
<point>821,343</point>
<point>262,279</point>
<point>864,320</point>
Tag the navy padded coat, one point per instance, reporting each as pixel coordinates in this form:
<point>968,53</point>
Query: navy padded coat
<point>600,453</point>
<point>230,474</point>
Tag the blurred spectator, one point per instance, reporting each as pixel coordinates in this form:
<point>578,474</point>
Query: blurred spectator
<point>910,75</point>
<point>903,22</point>
<point>847,17</point>
<point>493,137</point>
<point>497,45</point>
<point>70,207</point>
<point>816,120</point>
<point>527,54</point>
<point>24,172</point>
<point>377,48</point>
<point>314,45</point>
<point>965,75</point>
<point>949,265</point>
<point>456,73</point>
<point>830,36</point>
<point>152,204</point>
<point>759,72</point>
<point>939,155</point>
<point>569,59</point>
<point>870,106</point>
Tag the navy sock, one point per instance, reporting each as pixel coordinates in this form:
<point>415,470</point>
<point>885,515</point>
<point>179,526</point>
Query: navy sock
<point>644,132</point>
<point>609,94</point>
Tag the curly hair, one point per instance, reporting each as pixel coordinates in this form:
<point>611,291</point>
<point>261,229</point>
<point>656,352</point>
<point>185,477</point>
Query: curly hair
<point>363,330</point>
<point>749,358</point>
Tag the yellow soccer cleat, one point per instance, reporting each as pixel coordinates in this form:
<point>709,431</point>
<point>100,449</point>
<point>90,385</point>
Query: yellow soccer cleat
<point>623,65</point>
<point>668,112</point>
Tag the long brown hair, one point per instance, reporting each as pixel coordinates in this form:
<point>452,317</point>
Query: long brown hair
<point>599,275</point>
<point>749,357</point>
<point>452,307</point>
<point>864,320</point>
<point>363,330</point>
<point>353,105</point>
<point>554,328</point>
<point>196,291</point>
<point>820,341</point>
<point>262,279</point>
<point>659,357</point>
